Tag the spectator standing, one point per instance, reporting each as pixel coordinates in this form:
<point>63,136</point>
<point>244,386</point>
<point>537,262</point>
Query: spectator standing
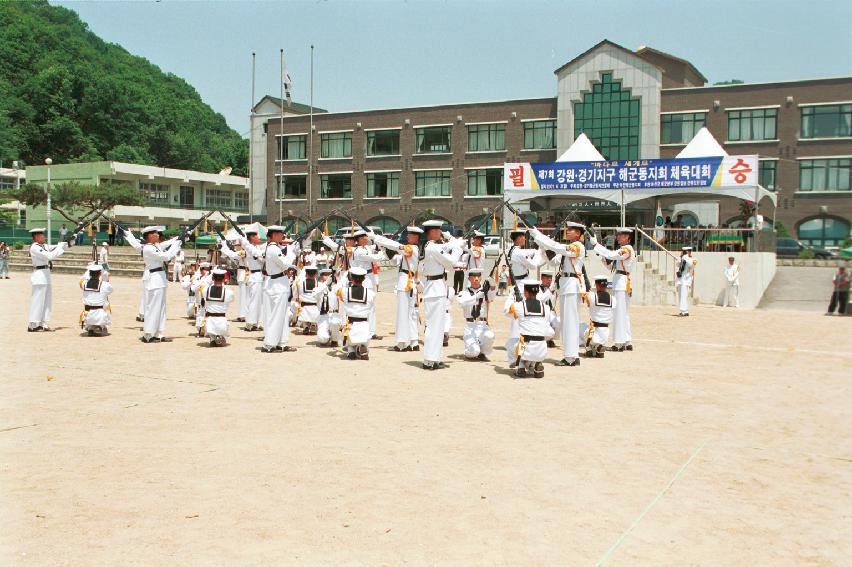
<point>4,260</point>
<point>732,283</point>
<point>840,296</point>
<point>63,232</point>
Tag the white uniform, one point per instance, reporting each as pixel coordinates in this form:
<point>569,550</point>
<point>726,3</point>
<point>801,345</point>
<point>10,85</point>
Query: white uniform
<point>276,290</point>
<point>308,294</point>
<point>407,328</point>
<point>602,306</point>
<point>103,256</point>
<point>685,267</point>
<point>732,285</point>
<point>478,336</point>
<point>199,288</point>
<point>95,304</point>
<point>186,283</point>
<point>522,261</point>
<point>155,287</point>
<point>571,286</point>
<point>344,258</point>
<point>533,317</point>
<point>137,245</point>
<point>216,302</point>
<point>438,258</point>
<point>363,257</point>
<point>41,299</point>
<point>177,267</point>
<point>254,282</point>
<point>358,303</point>
<point>239,257</point>
<point>547,296</point>
<point>624,260</point>
<point>328,321</point>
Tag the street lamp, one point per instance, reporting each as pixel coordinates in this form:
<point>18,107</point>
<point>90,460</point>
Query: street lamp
<point>48,161</point>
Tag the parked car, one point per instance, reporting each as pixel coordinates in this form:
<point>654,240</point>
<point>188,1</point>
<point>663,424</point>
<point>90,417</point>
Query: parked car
<point>492,246</point>
<point>791,248</point>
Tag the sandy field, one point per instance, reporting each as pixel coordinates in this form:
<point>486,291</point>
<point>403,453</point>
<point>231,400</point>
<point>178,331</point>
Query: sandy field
<point>723,439</point>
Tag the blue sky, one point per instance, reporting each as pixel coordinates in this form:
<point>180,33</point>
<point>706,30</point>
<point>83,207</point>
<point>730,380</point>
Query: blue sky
<point>374,54</point>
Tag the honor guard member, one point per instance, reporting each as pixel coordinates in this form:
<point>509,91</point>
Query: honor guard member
<point>571,286</point>
<point>308,292</point>
<point>533,318</point>
<point>277,261</point>
<point>437,259</point>
<point>475,301</point>
<point>407,326</point>
<point>328,321</point>
<point>254,251</point>
<point>202,281</point>
<point>520,261</point>
<point>474,257</point>
<point>136,244</point>
<point>547,294</point>
<point>732,283</point>
<point>358,302</point>
<point>177,267</point>
<point>217,298</point>
<point>156,262</point>
<point>95,318</point>
<point>623,261</point>
<point>186,283</point>
<point>364,257</point>
<point>41,298</point>
<point>343,256</point>
<point>239,258</point>
<point>601,314</point>
<point>685,273</point>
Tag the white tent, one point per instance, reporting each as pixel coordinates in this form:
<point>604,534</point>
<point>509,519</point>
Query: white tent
<point>581,150</point>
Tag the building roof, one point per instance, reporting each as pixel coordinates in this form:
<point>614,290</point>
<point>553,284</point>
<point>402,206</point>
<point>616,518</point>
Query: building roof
<point>646,49</point>
<point>295,107</point>
<point>591,49</point>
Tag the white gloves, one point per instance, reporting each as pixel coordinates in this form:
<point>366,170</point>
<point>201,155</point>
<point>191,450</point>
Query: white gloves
<point>592,240</point>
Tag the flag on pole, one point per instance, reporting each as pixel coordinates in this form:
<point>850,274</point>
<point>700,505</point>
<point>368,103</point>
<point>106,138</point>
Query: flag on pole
<point>659,221</point>
<point>286,81</point>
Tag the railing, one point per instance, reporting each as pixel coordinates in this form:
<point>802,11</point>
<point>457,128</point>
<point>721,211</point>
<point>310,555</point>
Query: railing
<point>168,205</point>
<point>701,239</point>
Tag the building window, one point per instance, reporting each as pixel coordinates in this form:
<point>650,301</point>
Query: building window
<point>486,137</point>
<point>336,145</point>
<point>241,200</point>
<point>756,124</point>
<point>292,187</point>
<point>383,184</point>
<point>217,198</point>
<point>155,193</point>
<point>827,121</point>
<point>540,135</point>
<point>610,116</point>
<point>432,183</point>
<point>823,232</point>
<point>682,127</point>
<point>434,139</point>
<point>336,186</point>
<point>825,174</point>
<point>484,182</point>
<point>293,147</point>
<point>766,174</point>
<point>388,225</point>
<point>383,142</point>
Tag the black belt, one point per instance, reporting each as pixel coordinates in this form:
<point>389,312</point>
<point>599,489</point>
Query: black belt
<point>622,272</point>
<point>307,303</point>
<point>596,324</point>
<point>520,277</point>
<point>152,270</point>
<point>473,319</point>
<point>41,267</point>
<point>276,276</point>
<point>358,319</point>
<point>92,307</point>
<point>532,338</point>
<point>569,275</point>
<point>215,314</point>
<point>255,271</point>
<point>441,277</point>
<point>191,294</point>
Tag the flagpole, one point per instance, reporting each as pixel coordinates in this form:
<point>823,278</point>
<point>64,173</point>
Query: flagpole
<point>311,138</point>
<point>280,149</point>
<point>251,143</point>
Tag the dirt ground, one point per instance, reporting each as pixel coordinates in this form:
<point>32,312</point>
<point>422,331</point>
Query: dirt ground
<point>723,439</point>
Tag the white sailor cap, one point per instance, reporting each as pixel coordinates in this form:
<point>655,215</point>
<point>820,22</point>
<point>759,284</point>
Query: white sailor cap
<point>38,230</point>
<point>530,282</point>
<point>94,267</point>
<point>572,224</point>
<point>219,271</point>
<point>325,271</point>
<point>624,230</point>
<point>356,271</point>
<point>414,229</point>
<point>517,232</point>
<point>311,268</point>
<point>153,228</point>
<point>274,228</point>
<point>602,279</point>
<point>205,265</point>
<point>105,244</point>
<point>347,235</point>
<point>474,272</point>
<point>477,234</point>
<point>434,223</point>
<point>686,248</point>
<point>546,273</point>
<point>359,233</point>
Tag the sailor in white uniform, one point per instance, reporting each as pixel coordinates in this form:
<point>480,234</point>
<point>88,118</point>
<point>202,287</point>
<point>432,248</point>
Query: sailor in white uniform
<point>363,256</point>
<point>186,282</point>
<point>732,283</point>
<point>95,318</point>
<point>177,266</point>
<point>601,315</point>
<point>521,262</point>
<point>533,318</point>
<point>571,287</point>
<point>277,262</point>
<point>254,251</point>
<point>685,273</point>
<point>156,263</point>
<point>548,294</point>
<point>199,286</point>
<point>41,298</point>
<point>407,326</point>
<point>328,321</point>
<point>475,300</point>
<point>217,298</point>
<point>239,258</point>
<point>358,301</point>
<point>438,257</point>
<point>474,256</point>
<point>342,257</point>
<point>621,262</point>
<point>308,292</point>
<point>135,243</point>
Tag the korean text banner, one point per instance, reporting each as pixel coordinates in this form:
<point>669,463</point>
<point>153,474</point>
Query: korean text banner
<point>685,173</point>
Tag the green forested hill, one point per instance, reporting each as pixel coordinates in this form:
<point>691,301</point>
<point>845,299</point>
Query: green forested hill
<point>67,94</point>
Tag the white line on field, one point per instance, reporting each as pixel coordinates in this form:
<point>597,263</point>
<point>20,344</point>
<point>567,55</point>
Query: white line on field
<point>752,347</point>
<point>653,503</point>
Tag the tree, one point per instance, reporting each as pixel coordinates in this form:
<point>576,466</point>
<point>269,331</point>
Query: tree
<point>90,198</point>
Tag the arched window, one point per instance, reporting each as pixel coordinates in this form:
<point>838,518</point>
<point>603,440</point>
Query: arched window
<point>336,223</point>
<point>686,218</point>
<point>299,225</point>
<point>387,224</point>
<point>610,117</point>
<point>823,231</point>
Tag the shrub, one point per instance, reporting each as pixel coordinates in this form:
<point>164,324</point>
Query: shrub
<point>807,254</point>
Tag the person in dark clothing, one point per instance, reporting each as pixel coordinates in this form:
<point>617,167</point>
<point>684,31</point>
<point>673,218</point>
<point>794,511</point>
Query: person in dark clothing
<point>840,295</point>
